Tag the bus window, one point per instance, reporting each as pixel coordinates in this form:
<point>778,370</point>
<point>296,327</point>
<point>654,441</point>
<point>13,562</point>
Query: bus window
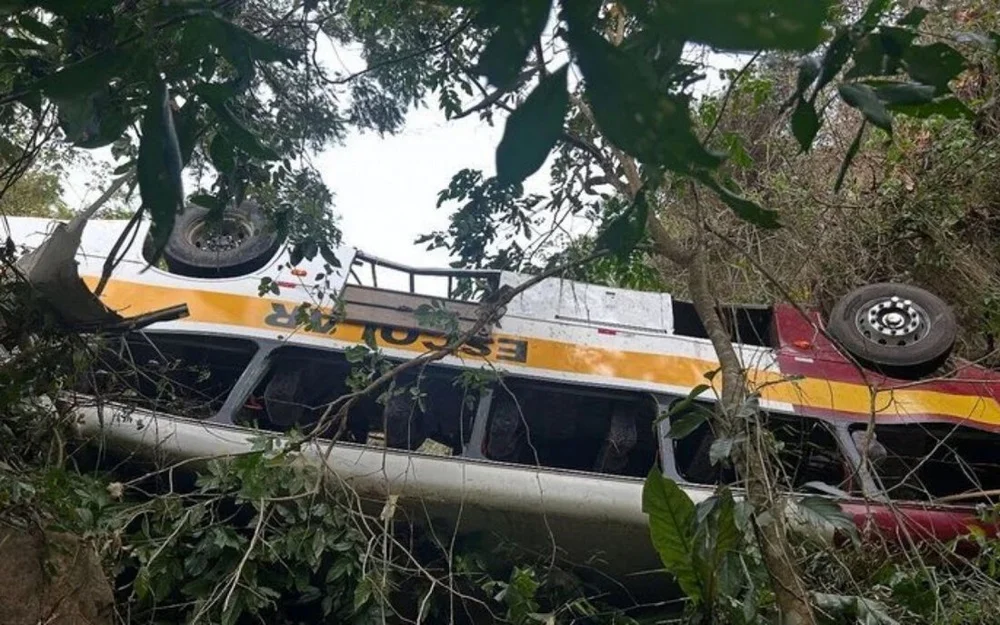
<point>807,452</point>
<point>427,410</point>
<point>189,375</point>
<point>566,427</point>
<point>925,461</point>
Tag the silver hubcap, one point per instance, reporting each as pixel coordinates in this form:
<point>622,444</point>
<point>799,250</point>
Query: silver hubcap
<point>220,237</point>
<point>892,321</point>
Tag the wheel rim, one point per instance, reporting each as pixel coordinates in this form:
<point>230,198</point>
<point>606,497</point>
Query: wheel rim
<point>223,236</point>
<point>893,321</point>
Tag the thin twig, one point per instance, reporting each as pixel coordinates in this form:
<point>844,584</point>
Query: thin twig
<point>729,93</point>
<point>494,98</point>
<point>246,554</point>
<point>406,57</point>
<point>489,312</point>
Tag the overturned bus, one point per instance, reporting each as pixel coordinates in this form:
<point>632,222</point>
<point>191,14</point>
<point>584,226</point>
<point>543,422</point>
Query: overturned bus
<point>543,428</point>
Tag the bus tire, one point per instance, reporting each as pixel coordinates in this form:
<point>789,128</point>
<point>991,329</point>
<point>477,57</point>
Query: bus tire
<point>896,329</point>
<point>244,242</point>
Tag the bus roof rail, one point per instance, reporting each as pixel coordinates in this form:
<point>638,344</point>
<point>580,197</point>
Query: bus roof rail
<point>457,279</point>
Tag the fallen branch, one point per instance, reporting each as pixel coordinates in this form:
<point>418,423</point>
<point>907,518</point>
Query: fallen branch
<point>246,555</point>
<point>490,312</point>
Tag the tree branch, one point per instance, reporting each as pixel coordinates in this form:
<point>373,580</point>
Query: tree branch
<point>489,312</point>
<point>494,97</point>
<point>729,94</point>
<point>602,160</point>
<point>406,57</point>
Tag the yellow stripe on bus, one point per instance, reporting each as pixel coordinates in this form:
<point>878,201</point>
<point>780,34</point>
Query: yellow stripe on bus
<point>131,298</point>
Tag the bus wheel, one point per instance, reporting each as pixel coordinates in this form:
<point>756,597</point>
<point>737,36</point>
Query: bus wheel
<point>241,242</point>
<point>897,329</point>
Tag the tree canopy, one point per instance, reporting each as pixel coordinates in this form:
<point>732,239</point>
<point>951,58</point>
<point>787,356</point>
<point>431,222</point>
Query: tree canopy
<point>210,102</point>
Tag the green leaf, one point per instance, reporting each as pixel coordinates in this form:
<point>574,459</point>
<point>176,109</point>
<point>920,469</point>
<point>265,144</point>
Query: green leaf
<point>159,167</point>
<point>16,43</point>
<point>936,64</point>
<point>123,168</point>
<point>721,449</point>
<point>745,209</point>
<point>854,609</point>
<point>329,256</point>
<point>260,49</point>
<point>37,28</point>
<point>746,24</point>
<point>823,487</point>
<point>624,232</point>
<point>141,584</point>
<point>209,35</point>
<point>519,24</point>
<point>362,593</point>
<point>241,136</point>
<point>672,527</point>
<point>735,145</point>
<point>716,540</point>
<point>896,41</point>
<point>805,123</point>
<point>631,109</point>
<point>688,422</point>
<point>203,199</point>
<point>873,12</point>
<point>852,151</point>
<point>863,98</point>
<point>949,107</point>
<point>216,93</point>
<point>186,121</point>
<point>533,129</point>
<point>684,404</point>
<point>85,76</point>
<point>872,59</point>
<point>834,57</point>
<point>809,70</point>
<point>220,151</point>
<point>823,512</point>
<point>519,595</point>
<point>913,17</point>
<point>309,249</point>
<point>94,120</point>
<point>902,92</point>
<point>86,516</point>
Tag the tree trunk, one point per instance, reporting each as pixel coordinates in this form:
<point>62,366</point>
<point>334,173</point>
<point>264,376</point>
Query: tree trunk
<point>751,458</point>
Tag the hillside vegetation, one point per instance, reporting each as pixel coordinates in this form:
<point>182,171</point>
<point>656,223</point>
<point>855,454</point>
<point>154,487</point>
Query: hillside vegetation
<point>856,142</point>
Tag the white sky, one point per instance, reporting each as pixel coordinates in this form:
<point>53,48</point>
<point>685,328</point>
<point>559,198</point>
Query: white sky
<point>386,188</point>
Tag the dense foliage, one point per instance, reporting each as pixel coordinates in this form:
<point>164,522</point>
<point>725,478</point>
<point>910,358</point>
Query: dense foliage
<point>849,146</point>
